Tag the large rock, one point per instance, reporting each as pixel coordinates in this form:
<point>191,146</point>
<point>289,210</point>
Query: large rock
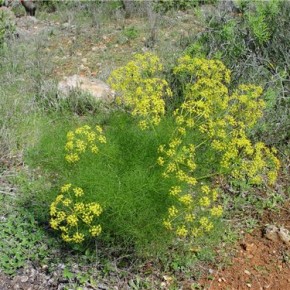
<point>96,88</point>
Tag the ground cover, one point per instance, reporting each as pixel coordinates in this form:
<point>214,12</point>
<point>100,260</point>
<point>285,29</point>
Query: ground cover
<point>65,43</point>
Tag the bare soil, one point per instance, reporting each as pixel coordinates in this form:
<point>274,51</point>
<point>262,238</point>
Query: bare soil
<point>259,263</point>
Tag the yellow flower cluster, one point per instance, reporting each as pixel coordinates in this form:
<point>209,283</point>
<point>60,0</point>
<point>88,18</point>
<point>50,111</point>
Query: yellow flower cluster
<point>182,218</point>
<point>141,89</point>
<point>223,119</point>
<point>220,119</point>
<point>82,139</point>
<point>75,219</point>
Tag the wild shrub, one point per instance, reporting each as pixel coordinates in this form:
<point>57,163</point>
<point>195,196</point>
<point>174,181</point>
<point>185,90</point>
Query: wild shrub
<point>151,174</point>
<point>252,44</point>
<point>7,27</point>
<point>166,5</point>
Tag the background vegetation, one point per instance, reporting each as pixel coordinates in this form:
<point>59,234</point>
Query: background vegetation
<point>93,38</point>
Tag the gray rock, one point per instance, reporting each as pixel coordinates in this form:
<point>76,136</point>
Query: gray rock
<point>96,88</point>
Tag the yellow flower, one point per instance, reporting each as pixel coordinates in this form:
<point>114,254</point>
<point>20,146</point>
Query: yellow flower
<point>167,224</point>
<point>102,139</point>
<point>65,188</point>
<point>172,211</point>
<point>72,220</point>
<point>160,161</point>
<point>205,189</point>
<point>195,232</point>
<point>71,158</point>
<point>79,207</point>
<point>95,208</point>
<point>69,146</point>
<point>181,231</point>
<point>99,129</point>
<point>206,224</point>
<point>53,209</point>
<point>94,149</point>
<point>87,218</point>
<point>190,217</point>
<point>216,211</point>
<point>66,237</point>
<point>54,224</point>
<point>95,230</point>
<point>175,190</point>
<point>70,135</point>
<point>78,237</point>
<point>66,202</point>
<point>204,201</point>
<point>78,191</point>
<point>186,199</point>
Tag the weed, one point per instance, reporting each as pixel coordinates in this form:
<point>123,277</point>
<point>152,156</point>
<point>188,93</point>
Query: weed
<point>131,32</point>
<point>21,240</point>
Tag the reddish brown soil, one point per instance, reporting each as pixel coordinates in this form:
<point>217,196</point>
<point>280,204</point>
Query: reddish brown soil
<point>259,263</point>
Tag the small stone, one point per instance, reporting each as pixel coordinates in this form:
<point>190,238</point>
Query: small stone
<point>284,235</point>
<point>102,286</point>
<point>61,266</point>
<point>32,273</point>
<point>270,232</point>
<point>24,279</point>
<point>211,271</point>
<point>247,272</point>
<point>219,280</point>
<point>249,285</point>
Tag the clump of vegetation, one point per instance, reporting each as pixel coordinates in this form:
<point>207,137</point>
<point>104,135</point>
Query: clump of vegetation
<point>7,27</point>
<point>21,240</point>
<point>74,218</point>
<point>141,89</point>
<point>166,5</point>
<point>149,172</point>
<point>254,48</point>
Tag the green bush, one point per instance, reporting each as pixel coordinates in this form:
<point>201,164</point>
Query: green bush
<point>21,240</point>
<point>124,178</point>
<point>253,45</point>
<point>166,5</point>
<point>7,27</point>
<point>142,176</point>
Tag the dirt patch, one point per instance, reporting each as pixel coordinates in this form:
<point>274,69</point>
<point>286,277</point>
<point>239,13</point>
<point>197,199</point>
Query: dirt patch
<point>259,263</point>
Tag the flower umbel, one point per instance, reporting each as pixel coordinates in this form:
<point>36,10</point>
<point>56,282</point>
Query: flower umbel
<point>75,219</point>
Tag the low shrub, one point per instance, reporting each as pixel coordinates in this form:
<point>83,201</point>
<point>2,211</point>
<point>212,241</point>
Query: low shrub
<point>251,42</point>
<point>7,27</point>
<point>153,175</point>
<point>166,5</point>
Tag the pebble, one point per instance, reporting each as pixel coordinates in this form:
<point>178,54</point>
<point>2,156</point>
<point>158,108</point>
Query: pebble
<point>249,285</point>
<point>24,279</point>
<point>247,272</point>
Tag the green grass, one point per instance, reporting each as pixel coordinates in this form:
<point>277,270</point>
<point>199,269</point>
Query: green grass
<point>124,177</point>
